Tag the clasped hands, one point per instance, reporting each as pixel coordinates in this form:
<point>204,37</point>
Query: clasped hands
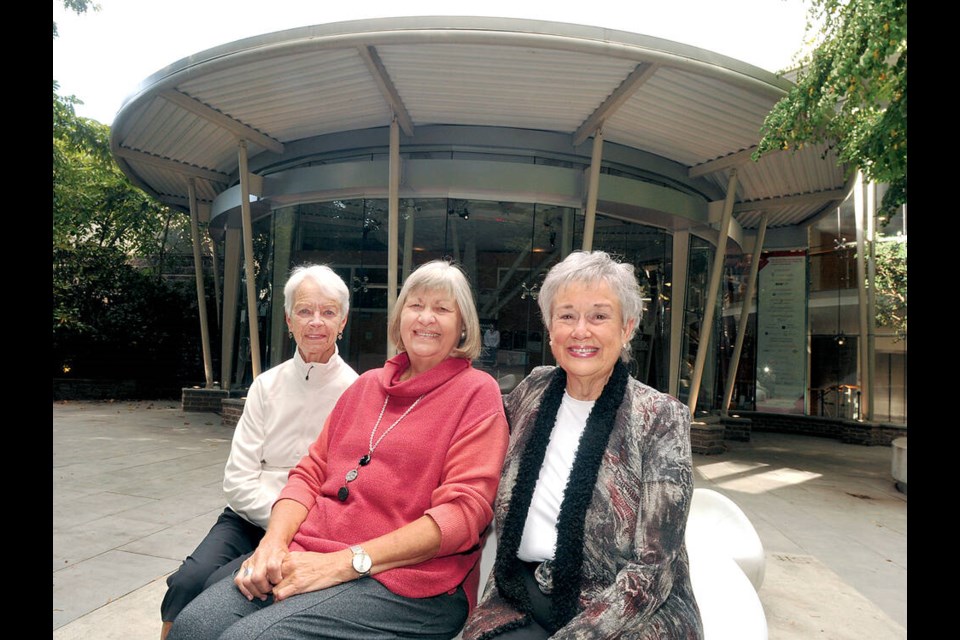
<point>277,571</point>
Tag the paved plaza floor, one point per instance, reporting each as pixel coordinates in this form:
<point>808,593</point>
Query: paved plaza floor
<point>136,485</point>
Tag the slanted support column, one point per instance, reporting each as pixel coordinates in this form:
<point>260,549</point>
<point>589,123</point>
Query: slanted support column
<point>248,260</point>
<point>593,188</point>
<point>215,273</point>
<point>864,282</point>
<point>201,291</point>
<point>678,296</point>
<point>232,241</point>
<point>393,226</point>
<point>744,316</point>
<point>706,327</point>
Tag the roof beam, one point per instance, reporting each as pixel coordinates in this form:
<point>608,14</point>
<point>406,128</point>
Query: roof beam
<point>819,197</point>
<point>731,161</point>
<point>222,120</point>
<point>631,84</point>
<point>382,77</point>
<point>173,165</point>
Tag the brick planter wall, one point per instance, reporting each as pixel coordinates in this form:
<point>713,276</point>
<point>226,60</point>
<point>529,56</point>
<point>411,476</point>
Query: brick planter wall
<point>736,428</point>
<point>232,408</point>
<point>201,399</point>
<point>706,435</point>
<point>848,431</point>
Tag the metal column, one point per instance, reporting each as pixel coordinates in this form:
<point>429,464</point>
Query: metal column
<point>201,290</point>
<point>248,261</point>
<point>706,326</point>
<point>231,285</point>
<point>393,228</point>
<point>593,187</point>
<point>866,320</point>
<point>744,315</point>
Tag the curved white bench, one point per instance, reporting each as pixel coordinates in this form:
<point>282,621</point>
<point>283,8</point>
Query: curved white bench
<point>898,466</point>
<point>727,565</point>
<point>717,525</point>
<point>729,607</point>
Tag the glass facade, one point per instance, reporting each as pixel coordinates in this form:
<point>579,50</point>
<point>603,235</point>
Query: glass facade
<point>798,355</point>
<point>835,313</point>
<point>505,248</point>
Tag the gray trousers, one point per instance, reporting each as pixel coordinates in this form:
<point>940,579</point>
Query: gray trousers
<point>358,610</point>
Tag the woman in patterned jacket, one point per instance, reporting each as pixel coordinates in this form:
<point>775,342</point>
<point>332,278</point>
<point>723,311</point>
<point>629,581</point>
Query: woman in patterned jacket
<point>597,482</point>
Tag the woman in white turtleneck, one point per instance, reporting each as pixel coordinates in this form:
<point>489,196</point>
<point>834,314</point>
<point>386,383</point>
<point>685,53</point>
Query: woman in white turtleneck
<point>285,409</point>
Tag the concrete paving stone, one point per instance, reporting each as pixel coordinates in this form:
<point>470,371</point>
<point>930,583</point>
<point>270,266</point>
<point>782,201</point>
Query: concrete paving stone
<point>116,573</point>
<point>177,541</point>
<point>804,599</point>
<point>136,616</point>
<point>77,544</point>
<point>163,481</point>
<point>174,509</point>
<point>94,506</point>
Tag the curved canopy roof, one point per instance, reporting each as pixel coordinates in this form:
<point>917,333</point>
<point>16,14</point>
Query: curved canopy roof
<point>685,104</point>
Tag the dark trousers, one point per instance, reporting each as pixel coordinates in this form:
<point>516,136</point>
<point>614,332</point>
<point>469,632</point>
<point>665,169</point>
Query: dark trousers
<point>537,630</point>
<point>229,542</point>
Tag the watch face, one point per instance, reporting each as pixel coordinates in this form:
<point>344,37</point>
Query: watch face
<point>362,563</point>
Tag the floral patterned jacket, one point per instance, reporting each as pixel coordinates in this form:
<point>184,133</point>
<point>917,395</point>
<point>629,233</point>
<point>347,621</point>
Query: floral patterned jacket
<point>634,573</point>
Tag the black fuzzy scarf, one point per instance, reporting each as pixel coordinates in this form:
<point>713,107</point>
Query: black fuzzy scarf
<point>568,559</point>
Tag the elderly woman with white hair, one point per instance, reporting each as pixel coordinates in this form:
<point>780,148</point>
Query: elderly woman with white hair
<point>285,409</point>
<point>378,531</point>
<point>597,482</point>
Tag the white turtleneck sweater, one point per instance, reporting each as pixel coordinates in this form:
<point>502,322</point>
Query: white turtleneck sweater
<point>285,409</point>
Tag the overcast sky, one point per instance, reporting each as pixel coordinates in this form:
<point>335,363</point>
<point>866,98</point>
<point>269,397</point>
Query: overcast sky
<point>101,57</point>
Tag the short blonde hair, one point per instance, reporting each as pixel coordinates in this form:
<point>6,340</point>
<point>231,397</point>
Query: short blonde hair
<point>440,275</point>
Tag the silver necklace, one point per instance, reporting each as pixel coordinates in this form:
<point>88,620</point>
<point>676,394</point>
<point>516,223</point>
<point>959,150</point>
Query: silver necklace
<point>343,493</point>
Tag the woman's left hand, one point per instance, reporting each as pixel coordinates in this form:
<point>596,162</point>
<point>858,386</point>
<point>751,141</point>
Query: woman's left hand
<point>305,571</point>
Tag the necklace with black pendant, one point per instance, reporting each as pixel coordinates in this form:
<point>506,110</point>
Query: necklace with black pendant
<point>344,492</point>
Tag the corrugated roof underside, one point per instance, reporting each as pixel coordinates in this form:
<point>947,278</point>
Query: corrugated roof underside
<point>297,96</point>
<point>501,86</point>
<point>668,116</point>
<point>786,173</point>
<point>169,183</point>
<point>167,131</point>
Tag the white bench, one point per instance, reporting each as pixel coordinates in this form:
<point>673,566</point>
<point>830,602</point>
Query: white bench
<point>727,565</point>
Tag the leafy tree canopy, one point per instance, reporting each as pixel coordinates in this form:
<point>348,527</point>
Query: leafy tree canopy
<point>77,6</point>
<point>891,285</point>
<point>92,200</point>
<point>113,312</point>
<point>851,92</point>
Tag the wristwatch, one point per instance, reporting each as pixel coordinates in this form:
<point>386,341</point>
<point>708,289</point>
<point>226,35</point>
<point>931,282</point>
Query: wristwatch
<point>361,561</point>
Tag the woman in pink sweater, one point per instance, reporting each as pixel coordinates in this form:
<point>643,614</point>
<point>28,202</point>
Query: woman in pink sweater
<point>378,531</point>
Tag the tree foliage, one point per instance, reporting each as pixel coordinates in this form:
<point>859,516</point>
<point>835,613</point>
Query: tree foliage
<point>851,92</point>
<point>114,314</point>
<point>891,285</point>
<point>78,7</point>
<point>113,321</point>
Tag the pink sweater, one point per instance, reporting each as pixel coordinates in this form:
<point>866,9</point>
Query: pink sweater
<point>443,459</point>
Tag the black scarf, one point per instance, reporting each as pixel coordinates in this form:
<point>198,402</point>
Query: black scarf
<point>568,559</point>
